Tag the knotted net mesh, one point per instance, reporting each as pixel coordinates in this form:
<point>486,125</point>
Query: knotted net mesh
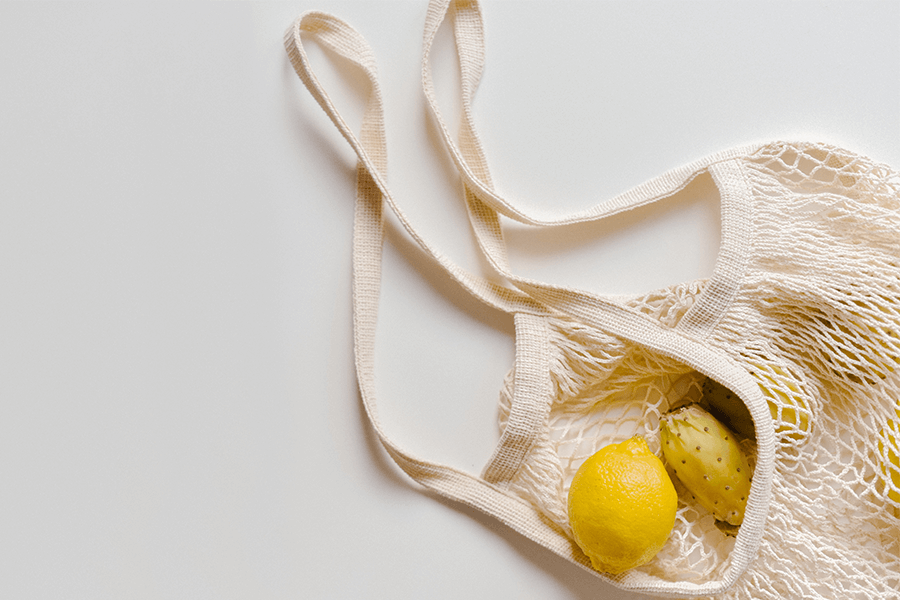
<point>817,322</point>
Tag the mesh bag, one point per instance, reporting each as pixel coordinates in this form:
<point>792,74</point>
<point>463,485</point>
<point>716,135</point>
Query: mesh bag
<point>800,320</point>
<point>820,332</point>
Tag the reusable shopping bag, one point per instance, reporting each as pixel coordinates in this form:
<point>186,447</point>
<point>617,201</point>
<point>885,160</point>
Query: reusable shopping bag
<point>800,319</point>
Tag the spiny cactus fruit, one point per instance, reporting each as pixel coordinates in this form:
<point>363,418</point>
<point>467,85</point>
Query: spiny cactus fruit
<point>726,406</point>
<point>707,459</point>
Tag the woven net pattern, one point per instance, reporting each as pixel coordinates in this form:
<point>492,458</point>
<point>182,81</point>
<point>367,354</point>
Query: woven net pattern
<point>825,345</point>
<point>607,391</point>
<point>821,333</point>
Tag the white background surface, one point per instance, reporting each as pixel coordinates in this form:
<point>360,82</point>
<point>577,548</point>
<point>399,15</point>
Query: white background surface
<point>178,409</point>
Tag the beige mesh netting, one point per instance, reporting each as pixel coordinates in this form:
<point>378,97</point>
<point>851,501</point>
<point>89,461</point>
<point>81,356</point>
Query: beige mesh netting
<point>817,323</point>
<point>800,320</point>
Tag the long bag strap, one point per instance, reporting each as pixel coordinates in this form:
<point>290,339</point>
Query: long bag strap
<point>485,204</point>
<point>531,395</point>
<point>372,193</point>
<point>473,491</point>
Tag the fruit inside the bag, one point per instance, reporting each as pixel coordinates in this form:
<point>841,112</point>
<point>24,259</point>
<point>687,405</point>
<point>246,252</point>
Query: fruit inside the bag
<point>891,467</point>
<point>707,458</point>
<point>785,399</point>
<point>726,406</point>
<point>787,404</point>
<point>622,506</point>
<point>872,327</point>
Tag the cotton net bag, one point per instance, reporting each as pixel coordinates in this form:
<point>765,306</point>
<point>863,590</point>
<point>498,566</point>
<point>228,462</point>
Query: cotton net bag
<point>800,320</point>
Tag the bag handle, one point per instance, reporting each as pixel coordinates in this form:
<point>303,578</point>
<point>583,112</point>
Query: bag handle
<point>370,147</point>
<point>485,205</point>
<point>367,246</point>
<point>454,483</point>
<point>532,389</point>
<point>685,342</point>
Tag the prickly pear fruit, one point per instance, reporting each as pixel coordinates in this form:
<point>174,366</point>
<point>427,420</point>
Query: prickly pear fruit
<point>727,528</point>
<point>728,408</point>
<point>707,459</point>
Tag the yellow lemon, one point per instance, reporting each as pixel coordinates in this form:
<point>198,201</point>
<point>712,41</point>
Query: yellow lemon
<point>622,506</point>
<point>787,402</point>
<point>891,468</point>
